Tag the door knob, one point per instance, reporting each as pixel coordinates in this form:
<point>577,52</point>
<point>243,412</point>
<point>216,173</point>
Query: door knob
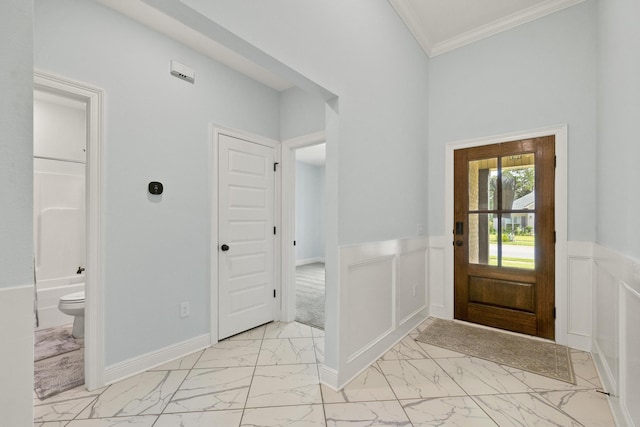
<point>224,248</point>
<point>458,242</point>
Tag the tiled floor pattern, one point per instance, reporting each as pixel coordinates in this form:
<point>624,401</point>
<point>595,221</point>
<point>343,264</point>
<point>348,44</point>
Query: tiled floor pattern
<point>269,377</point>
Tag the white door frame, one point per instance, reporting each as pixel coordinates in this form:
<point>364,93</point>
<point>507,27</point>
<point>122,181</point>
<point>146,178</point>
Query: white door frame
<point>215,131</point>
<point>561,285</point>
<point>289,219</point>
<point>94,274</point>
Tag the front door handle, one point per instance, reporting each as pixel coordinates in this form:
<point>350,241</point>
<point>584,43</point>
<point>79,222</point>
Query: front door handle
<point>224,248</point>
<point>458,242</point>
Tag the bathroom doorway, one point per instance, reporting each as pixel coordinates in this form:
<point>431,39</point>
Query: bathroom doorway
<point>67,190</point>
<point>59,218</point>
<point>310,233</point>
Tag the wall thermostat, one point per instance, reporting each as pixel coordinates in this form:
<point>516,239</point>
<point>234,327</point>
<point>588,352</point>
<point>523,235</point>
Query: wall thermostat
<point>155,187</point>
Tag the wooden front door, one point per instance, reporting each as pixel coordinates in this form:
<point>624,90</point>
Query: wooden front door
<point>504,236</point>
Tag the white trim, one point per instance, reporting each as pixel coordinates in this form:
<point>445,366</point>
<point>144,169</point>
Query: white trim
<point>408,15</point>
<point>436,277</point>
<point>215,131</point>
<point>561,196</point>
<point>500,25</point>
<point>155,358</point>
<point>413,314</point>
<point>329,377</point>
<point>342,382</point>
<point>626,398</point>
<point>94,274</point>
<point>580,291</point>
<point>288,209</point>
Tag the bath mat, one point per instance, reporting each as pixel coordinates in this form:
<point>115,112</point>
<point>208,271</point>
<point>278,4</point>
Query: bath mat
<point>53,341</point>
<point>310,294</point>
<point>59,373</point>
<point>532,355</point>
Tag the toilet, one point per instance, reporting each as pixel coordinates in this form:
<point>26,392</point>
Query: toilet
<point>73,305</point>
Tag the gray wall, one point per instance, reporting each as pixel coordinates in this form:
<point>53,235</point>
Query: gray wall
<point>361,51</point>
<point>310,202</point>
<point>16,216</point>
<point>618,207</point>
<point>157,128</point>
<point>537,75</point>
<point>16,144</point>
<point>301,113</point>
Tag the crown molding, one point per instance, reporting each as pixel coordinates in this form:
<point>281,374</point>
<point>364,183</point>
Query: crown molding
<point>408,15</point>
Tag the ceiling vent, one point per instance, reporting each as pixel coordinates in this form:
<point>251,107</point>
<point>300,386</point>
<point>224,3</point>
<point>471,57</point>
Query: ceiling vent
<point>183,72</point>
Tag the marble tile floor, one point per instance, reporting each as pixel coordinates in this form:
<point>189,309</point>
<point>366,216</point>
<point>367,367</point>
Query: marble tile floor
<point>269,377</point>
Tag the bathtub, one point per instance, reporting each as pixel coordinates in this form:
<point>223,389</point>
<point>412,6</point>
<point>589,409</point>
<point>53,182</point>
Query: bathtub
<point>49,292</point>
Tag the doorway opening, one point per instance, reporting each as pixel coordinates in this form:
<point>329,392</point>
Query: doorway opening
<point>68,155</point>
<point>309,240</point>
<point>59,218</point>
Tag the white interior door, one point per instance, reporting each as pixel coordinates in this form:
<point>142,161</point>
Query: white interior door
<point>246,235</point>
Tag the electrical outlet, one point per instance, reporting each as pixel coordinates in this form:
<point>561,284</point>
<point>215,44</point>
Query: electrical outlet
<point>184,309</point>
<point>414,289</point>
<point>420,230</point>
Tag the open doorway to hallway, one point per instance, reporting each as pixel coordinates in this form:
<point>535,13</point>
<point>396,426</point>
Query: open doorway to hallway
<point>310,235</point>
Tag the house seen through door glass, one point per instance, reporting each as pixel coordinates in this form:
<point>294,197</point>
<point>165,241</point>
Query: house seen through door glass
<point>502,211</point>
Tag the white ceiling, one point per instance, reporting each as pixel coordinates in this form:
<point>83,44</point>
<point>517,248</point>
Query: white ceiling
<point>444,25</point>
<point>438,25</point>
<point>315,155</point>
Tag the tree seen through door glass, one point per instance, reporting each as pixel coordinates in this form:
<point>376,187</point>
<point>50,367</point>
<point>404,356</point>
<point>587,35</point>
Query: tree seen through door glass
<point>501,217</point>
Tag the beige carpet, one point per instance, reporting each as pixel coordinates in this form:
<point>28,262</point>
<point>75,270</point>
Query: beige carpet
<point>532,355</point>
<point>310,294</point>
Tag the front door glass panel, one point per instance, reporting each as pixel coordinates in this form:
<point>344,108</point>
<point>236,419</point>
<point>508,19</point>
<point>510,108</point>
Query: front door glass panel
<point>501,216</point>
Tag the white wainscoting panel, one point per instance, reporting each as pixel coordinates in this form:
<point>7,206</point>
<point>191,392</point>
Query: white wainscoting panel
<point>616,343</point>
<point>16,356</point>
<point>411,289</point>
<point>376,307</point>
<point>580,294</point>
<point>370,299</point>
<point>606,330</point>
<point>437,285</point>
<point>630,353</point>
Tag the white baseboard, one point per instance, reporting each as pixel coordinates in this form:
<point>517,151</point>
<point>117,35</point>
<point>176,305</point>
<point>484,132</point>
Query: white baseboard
<point>366,358</point>
<point>579,342</point>
<point>329,377</point>
<point>306,261</point>
<point>150,360</point>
